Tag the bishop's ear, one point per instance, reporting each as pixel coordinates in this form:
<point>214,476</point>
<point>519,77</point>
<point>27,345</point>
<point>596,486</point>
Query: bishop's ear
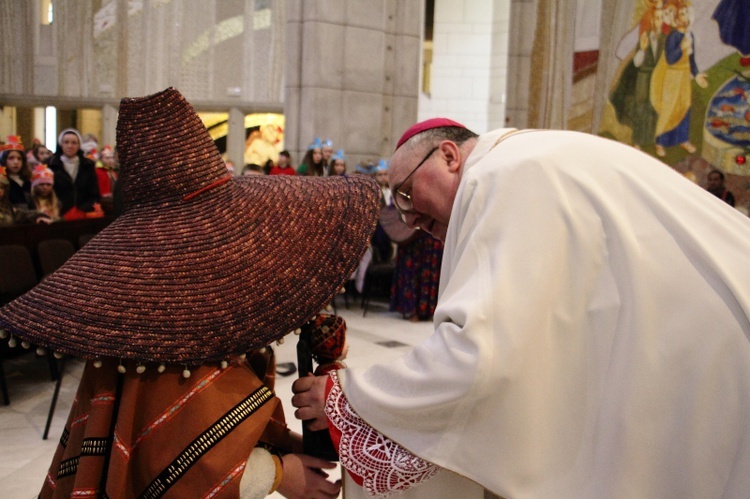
<point>452,155</point>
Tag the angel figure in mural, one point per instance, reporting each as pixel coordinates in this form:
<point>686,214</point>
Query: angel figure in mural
<point>671,82</point>
<point>631,97</point>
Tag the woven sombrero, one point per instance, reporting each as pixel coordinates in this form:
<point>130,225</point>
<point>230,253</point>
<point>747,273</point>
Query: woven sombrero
<point>200,266</point>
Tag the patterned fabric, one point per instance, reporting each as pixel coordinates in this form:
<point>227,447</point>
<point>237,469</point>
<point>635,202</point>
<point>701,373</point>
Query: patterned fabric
<point>173,437</point>
<point>417,276</point>
<point>328,337</point>
<point>376,462</point>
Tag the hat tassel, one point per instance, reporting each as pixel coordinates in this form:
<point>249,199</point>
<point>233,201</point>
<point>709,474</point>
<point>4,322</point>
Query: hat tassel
<point>121,368</point>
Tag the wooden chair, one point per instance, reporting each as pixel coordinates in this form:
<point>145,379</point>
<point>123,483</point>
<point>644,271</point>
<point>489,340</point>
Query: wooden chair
<point>17,276</point>
<point>84,238</point>
<point>53,253</point>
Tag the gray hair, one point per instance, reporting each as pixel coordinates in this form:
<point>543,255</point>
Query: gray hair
<point>430,138</point>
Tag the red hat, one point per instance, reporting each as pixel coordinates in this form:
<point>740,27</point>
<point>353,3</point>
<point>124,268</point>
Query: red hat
<point>328,334</point>
<point>42,175</point>
<point>423,126</point>
<point>14,144</point>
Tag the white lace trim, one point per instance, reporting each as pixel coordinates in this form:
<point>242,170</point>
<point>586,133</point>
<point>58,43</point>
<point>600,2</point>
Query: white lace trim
<point>385,466</point>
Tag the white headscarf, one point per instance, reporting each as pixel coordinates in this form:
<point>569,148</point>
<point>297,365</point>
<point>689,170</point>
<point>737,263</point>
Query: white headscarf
<point>66,131</point>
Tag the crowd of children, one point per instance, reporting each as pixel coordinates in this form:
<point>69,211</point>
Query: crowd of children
<point>38,186</point>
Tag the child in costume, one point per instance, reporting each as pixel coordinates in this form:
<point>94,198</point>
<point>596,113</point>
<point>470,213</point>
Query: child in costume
<point>10,214</point>
<point>43,197</point>
<point>338,163</point>
<point>13,158</point>
<point>176,399</point>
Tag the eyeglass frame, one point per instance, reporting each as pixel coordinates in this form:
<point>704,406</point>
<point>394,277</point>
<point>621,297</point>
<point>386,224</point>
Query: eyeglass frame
<point>402,211</point>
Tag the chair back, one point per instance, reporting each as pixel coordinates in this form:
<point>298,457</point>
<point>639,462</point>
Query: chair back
<point>53,253</point>
<point>84,238</point>
<point>17,274</point>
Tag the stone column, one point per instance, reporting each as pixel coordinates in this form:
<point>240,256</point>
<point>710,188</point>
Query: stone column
<point>352,74</point>
<point>109,126</point>
<point>520,44</point>
<point>236,139</point>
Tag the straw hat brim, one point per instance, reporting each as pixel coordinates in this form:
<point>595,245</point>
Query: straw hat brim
<point>256,258</point>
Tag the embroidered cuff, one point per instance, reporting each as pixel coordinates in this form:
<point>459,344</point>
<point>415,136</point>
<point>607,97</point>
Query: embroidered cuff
<point>384,466</point>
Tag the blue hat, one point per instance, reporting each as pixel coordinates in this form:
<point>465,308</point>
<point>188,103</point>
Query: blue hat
<point>365,168</point>
<point>339,155</point>
<point>382,166</point>
<point>317,144</point>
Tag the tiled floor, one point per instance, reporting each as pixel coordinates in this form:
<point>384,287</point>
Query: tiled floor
<point>24,456</point>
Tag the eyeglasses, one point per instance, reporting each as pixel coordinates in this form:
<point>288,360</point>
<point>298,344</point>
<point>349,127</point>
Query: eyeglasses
<point>403,200</point>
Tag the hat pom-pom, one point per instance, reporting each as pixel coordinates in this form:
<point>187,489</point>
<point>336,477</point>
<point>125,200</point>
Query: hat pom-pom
<point>280,341</point>
<point>140,369</point>
<point>298,331</point>
<point>161,368</point>
<point>3,334</point>
<point>57,355</point>
<point>97,363</point>
<point>186,373</point>
<point>121,369</point>
<point>41,351</point>
<point>224,364</point>
<point>26,345</point>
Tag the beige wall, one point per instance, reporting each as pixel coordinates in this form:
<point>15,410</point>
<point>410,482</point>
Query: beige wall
<point>351,74</point>
<point>469,67</point>
<point>344,70</point>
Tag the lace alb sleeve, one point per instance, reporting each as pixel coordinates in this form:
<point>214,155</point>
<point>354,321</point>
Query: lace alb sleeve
<point>384,466</point>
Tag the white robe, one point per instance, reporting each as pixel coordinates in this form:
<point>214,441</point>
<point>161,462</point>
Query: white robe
<point>591,334</point>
